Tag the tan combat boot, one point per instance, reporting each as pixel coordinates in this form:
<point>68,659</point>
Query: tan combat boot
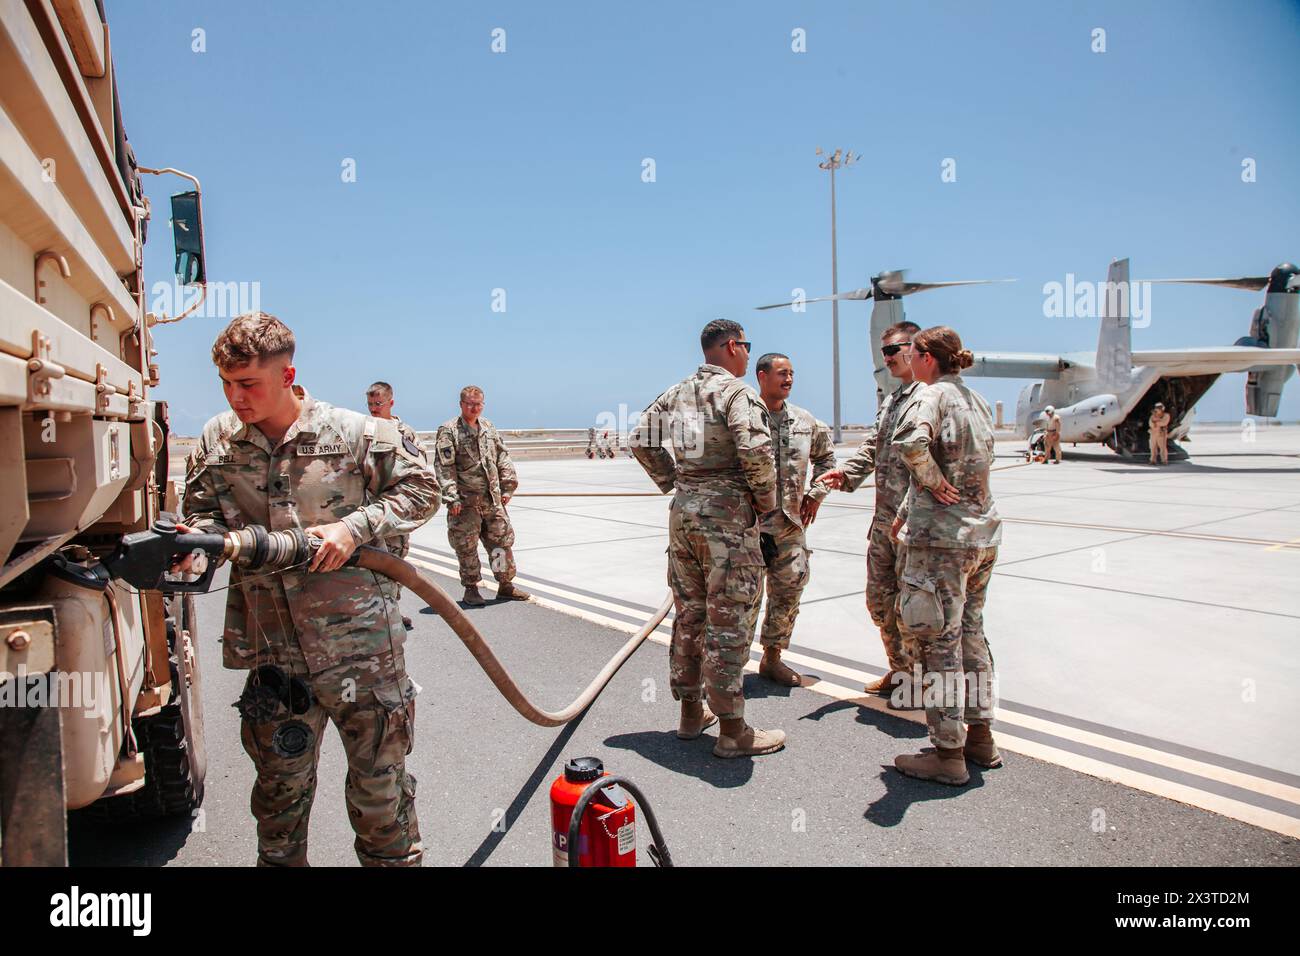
<point>776,670</point>
<point>883,686</point>
<point>473,598</point>
<point>944,765</point>
<point>980,748</point>
<point>696,717</point>
<point>508,592</point>
<point>749,742</point>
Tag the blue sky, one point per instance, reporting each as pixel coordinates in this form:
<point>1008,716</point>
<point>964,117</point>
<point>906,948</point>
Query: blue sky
<point>522,171</point>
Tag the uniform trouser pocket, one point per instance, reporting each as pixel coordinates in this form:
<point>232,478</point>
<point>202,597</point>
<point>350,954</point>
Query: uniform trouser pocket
<point>920,609</point>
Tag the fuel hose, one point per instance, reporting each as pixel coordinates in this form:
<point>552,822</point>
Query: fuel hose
<point>254,548</point>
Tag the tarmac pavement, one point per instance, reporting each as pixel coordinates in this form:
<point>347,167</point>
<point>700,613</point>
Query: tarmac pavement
<point>830,798</point>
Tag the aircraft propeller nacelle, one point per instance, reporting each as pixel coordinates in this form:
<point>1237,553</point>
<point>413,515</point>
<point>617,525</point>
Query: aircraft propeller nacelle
<point>1090,420</point>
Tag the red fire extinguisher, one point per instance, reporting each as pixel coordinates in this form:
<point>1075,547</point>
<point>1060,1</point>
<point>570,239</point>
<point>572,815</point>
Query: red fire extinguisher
<point>606,834</point>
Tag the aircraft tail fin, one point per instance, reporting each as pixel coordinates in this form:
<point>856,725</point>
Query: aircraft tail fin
<point>1114,342</point>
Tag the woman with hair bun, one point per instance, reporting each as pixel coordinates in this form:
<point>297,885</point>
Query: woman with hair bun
<point>949,531</point>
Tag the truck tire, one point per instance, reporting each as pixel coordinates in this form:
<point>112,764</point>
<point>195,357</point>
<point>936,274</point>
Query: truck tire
<point>172,740</point>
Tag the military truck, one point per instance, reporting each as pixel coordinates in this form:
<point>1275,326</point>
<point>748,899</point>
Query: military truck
<point>99,682</point>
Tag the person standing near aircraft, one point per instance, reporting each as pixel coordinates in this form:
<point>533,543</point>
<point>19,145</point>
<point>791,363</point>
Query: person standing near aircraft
<point>1158,431</point>
<point>723,478</point>
<point>892,480</point>
<point>949,530</point>
<point>797,439</point>
<point>1052,436</point>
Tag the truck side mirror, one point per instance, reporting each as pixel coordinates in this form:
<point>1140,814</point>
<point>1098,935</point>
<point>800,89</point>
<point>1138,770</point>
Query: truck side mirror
<point>187,234</point>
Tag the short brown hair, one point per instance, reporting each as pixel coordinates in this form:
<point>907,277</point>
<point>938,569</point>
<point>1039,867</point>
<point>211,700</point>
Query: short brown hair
<point>900,328</point>
<point>945,345</point>
<point>380,388</point>
<point>469,390</point>
<point>252,337</point>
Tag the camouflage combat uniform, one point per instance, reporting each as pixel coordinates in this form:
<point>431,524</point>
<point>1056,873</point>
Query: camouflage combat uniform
<point>797,438</point>
<point>340,632</point>
<point>400,544</point>
<point>892,480</point>
<point>948,552</point>
<point>724,477</point>
<point>475,471</point>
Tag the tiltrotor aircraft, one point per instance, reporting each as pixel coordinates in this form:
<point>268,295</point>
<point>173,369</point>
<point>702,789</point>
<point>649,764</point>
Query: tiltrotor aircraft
<point>1106,397</point>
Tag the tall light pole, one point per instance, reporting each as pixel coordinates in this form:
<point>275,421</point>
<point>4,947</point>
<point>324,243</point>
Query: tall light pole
<point>840,159</point>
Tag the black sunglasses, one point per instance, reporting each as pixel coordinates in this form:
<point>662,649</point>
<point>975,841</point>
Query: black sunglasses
<point>895,349</point>
<point>748,345</point>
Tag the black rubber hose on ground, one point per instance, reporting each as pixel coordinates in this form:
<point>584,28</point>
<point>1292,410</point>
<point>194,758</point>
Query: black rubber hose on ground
<point>658,849</point>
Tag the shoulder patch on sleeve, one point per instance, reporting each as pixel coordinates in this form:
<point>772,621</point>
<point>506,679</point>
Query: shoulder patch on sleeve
<point>412,447</point>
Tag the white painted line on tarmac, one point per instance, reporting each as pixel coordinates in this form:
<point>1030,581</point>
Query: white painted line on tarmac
<point>589,608</point>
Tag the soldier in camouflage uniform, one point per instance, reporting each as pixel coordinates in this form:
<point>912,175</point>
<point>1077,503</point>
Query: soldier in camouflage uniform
<point>724,478</point>
<point>283,460</point>
<point>477,479</point>
<point>379,402</point>
<point>797,439</point>
<point>949,532</point>
<point>892,480</point>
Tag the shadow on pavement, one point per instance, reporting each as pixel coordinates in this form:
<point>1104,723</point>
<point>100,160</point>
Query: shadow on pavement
<point>540,774</point>
<point>889,725</point>
<point>692,758</point>
<point>114,843</point>
<point>902,791</point>
<point>756,687</point>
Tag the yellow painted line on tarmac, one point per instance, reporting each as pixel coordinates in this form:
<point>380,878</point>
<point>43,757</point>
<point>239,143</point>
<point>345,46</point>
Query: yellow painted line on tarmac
<point>1007,721</point>
<point>1182,793</point>
<point>448,566</point>
<point>1006,716</point>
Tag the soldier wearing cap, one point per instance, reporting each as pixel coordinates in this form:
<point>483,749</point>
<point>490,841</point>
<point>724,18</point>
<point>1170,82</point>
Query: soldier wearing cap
<point>283,460</point>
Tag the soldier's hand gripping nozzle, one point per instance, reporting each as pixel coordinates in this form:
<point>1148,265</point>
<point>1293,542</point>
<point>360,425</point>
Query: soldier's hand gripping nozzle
<point>144,559</point>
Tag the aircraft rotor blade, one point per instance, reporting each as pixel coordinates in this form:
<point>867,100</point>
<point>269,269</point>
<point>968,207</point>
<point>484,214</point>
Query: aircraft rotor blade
<point>855,294</point>
<point>911,287</point>
<point>1249,283</point>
